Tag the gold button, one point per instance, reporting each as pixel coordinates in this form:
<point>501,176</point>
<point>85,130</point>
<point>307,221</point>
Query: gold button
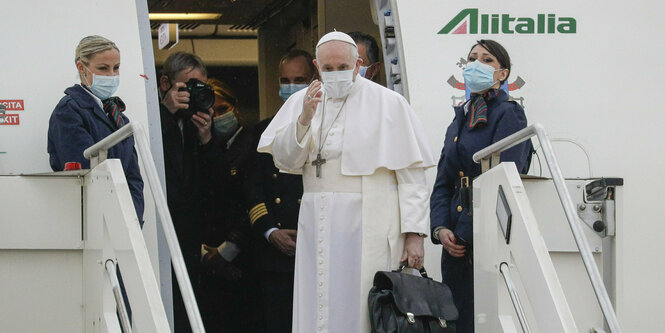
<point>278,200</point>
<point>461,173</point>
<point>459,209</point>
<point>455,139</point>
<point>279,224</point>
<point>299,201</point>
<point>274,176</point>
<point>234,172</point>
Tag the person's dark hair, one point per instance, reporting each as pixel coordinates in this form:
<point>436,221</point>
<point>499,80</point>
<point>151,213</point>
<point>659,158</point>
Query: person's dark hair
<point>179,61</point>
<point>295,53</point>
<point>370,43</point>
<point>497,50</point>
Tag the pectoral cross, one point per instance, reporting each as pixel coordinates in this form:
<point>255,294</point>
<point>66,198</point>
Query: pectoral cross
<point>318,162</point>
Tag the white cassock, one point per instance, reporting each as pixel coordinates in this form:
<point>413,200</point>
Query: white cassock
<point>353,218</point>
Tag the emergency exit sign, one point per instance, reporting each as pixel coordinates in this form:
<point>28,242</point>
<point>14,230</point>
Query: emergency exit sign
<point>12,104</point>
<point>10,119</point>
<point>167,35</point>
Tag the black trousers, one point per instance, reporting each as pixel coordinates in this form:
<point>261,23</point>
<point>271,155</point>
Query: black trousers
<point>192,262</point>
<point>458,275</point>
<point>230,306</point>
<point>277,299</point>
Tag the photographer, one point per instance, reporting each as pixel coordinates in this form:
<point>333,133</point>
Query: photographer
<point>186,137</point>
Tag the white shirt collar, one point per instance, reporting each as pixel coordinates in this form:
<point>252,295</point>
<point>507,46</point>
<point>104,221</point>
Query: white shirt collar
<point>97,100</point>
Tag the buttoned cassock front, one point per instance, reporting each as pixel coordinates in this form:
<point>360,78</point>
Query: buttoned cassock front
<point>352,219</point>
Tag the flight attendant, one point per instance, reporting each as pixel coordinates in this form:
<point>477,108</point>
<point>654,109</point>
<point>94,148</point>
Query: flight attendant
<point>89,112</point>
<point>487,117</point>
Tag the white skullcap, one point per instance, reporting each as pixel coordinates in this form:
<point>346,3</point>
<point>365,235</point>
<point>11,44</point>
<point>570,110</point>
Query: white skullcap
<point>336,35</point>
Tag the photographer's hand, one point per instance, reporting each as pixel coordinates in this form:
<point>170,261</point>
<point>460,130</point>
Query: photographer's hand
<point>203,122</point>
<point>175,100</point>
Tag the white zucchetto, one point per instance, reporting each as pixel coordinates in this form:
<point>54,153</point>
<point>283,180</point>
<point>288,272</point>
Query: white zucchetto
<point>336,35</point>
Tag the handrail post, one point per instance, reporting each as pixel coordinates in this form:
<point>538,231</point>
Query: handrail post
<point>512,290</point>
<point>150,169</point>
<point>568,207</point>
<point>117,294</point>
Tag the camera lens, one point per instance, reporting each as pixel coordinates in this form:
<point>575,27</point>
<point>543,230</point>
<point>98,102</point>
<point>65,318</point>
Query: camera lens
<point>204,97</point>
<point>201,97</point>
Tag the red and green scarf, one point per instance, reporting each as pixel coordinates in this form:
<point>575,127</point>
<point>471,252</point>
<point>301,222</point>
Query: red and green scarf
<point>478,107</point>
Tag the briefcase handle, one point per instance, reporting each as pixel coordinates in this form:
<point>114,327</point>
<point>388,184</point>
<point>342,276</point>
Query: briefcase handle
<point>405,264</point>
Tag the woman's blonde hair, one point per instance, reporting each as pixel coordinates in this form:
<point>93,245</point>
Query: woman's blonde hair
<point>90,45</point>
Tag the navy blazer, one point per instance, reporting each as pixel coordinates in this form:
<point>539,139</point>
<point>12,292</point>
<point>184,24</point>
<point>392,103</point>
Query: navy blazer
<point>78,122</point>
<point>461,142</point>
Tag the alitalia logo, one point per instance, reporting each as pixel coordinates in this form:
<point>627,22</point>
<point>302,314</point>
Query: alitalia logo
<point>469,21</point>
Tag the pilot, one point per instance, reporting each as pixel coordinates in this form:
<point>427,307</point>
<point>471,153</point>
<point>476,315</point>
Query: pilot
<point>487,117</point>
<point>274,202</point>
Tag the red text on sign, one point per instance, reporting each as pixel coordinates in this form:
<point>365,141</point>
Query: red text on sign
<point>10,119</point>
<point>12,104</point>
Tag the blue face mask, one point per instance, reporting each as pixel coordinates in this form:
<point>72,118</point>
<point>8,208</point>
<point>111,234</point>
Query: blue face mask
<point>286,90</point>
<point>362,71</point>
<point>103,86</point>
<point>226,124</point>
<point>478,76</point>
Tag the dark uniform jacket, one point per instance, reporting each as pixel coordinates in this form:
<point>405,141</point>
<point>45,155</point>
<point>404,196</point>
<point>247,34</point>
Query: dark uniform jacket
<point>184,158</point>
<point>78,122</point>
<point>461,142</point>
<point>274,202</point>
<point>225,213</point>
<point>447,208</point>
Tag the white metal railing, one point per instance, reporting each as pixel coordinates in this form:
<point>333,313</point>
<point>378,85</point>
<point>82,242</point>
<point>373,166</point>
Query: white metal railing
<point>493,152</point>
<point>97,153</point>
<point>514,297</point>
<point>117,295</point>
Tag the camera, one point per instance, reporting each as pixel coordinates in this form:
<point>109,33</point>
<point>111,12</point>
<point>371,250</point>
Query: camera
<point>201,97</point>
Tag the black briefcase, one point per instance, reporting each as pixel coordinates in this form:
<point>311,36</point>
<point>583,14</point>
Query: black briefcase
<point>405,303</point>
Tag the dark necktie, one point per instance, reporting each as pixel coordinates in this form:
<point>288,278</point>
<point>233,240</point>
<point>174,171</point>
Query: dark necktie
<point>478,107</point>
<point>113,106</point>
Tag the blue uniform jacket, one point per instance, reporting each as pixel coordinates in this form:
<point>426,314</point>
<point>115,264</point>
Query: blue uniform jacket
<point>78,122</point>
<point>461,142</point>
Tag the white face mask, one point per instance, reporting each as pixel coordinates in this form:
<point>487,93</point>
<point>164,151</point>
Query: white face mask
<point>337,84</point>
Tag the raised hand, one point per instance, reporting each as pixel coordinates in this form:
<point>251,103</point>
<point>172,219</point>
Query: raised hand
<point>311,101</point>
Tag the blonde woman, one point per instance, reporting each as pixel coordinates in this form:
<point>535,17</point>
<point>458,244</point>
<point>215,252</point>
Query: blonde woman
<point>89,112</point>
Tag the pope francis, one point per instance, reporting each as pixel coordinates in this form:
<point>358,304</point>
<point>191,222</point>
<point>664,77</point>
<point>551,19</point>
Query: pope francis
<point>362,153</point>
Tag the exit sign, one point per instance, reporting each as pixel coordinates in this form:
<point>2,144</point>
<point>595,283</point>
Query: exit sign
<point>168,35</point>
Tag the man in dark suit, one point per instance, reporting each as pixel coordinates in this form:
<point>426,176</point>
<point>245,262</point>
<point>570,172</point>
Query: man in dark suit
<point>368,51</point>
<point>274,203</point>
<point>187,149</point>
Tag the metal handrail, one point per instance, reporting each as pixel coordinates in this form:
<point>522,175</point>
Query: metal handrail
<point>117,294</point>
<point>512,290</point>
<point>178,262</point>
<point>568,207</point>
